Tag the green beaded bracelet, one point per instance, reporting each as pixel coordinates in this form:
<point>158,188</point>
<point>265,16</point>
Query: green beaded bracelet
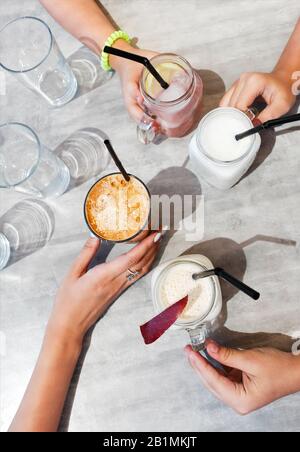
<point>110,42</point>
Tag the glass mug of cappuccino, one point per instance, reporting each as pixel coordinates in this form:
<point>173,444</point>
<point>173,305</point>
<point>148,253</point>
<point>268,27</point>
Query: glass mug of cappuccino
<point>173,280</point>
<point>118,211</point>
<point>172,112</point>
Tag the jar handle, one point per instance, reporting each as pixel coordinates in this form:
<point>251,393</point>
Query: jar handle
<point>252,114</point>
<point>149,131</point>
<point>198,337</point>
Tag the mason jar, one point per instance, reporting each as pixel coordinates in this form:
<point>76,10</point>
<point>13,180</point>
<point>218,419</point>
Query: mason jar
<point>200,328</point>
<point>223,173</point>
<point>175,111</point>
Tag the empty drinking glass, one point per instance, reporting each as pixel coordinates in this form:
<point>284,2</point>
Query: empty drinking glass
<point>29,166</point>
<point>24,229</point>
<point>29,51</point>
<point>85,154</point>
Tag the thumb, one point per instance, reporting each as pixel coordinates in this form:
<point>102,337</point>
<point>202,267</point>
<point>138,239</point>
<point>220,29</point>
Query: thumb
<point>235,359</point>
<point>276,109</point>
<point>85,257</point>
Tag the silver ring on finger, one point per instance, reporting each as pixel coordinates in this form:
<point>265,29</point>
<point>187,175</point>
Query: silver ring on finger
<point>132,274</point>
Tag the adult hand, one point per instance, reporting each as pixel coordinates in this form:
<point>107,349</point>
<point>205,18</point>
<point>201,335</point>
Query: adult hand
<point>85,295</point>
<point>130,74</point>
<point>275,88</point>
<point>253,378</point>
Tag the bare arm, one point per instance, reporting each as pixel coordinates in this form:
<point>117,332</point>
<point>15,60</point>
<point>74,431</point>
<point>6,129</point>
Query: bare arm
<point>83,19</point>
<point>289,61</point>
<point>44,399</point>
<point>81,300</point>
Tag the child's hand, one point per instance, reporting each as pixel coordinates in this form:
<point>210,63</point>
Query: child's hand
<point>85,295</point>
<point>254,378</point>
<point>130,73</point>
<point>275,88</point>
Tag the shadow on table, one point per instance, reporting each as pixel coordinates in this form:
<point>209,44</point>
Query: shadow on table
<point>88,71</point>
<point>268,140</point>
<point>213,90</point>
<point>23,242</point>
<point>85,155</point>
<point>246,341</point>
<point>230,255</point>
<point>173,182</point>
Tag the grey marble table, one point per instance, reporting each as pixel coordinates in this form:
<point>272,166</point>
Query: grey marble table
<point>121,385</point>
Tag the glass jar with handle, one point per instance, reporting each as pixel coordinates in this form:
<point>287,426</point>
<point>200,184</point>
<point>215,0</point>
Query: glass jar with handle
<point>175,111</point>
<point>173,280</point>
<point>216,156</point>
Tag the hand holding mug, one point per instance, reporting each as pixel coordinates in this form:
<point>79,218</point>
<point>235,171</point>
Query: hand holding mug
<point>275,88</point>
<point>85,295</point>
<point>253,379</point>
<point>130,74</point>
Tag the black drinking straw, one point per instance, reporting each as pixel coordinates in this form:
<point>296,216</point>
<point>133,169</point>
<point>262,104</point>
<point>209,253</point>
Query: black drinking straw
<point>117,160</point>
<point>138,59</point>
<point>229,278</point>
<point>268,125</point>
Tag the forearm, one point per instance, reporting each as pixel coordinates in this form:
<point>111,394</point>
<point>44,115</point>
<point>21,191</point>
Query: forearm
<point>289,62</point>
<point>43,402</point>
<point>87,22</point>
<point>84,19</point>
<point>297,374</point>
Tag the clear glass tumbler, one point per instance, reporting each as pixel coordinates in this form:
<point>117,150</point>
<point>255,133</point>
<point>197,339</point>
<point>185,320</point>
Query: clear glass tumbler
<point>27,165</point>
<point>24,229</point>
<point>29,51</point>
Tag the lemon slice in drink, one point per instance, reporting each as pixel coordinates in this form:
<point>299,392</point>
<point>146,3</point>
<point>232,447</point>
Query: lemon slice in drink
<point>167,71</point>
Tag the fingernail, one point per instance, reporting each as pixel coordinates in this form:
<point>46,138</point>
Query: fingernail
<point>213,347</point>
<point>158,237</point>
<point>92,236</point>
<point>161,234</point>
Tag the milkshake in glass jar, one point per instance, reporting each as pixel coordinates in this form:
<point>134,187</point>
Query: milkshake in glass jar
<point>173,280</point>
<point>216,156</point>
<point>173,112</point>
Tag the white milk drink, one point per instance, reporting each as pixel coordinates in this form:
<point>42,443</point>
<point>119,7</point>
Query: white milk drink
<point>178,282</point>
<point>173,281</point>
<point>216,155</point>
